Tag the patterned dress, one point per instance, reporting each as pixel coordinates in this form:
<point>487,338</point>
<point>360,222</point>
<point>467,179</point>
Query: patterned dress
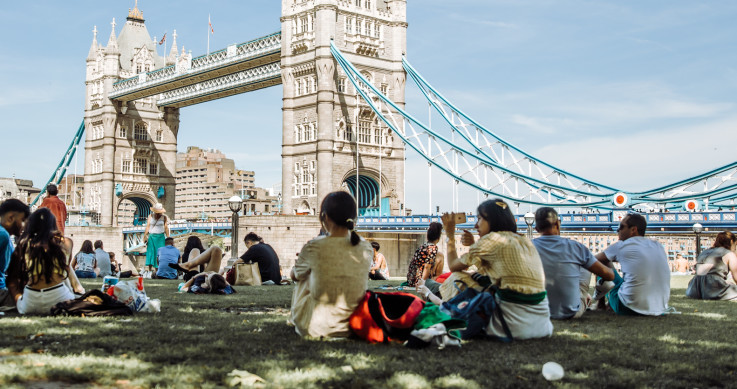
<point>424,255</point>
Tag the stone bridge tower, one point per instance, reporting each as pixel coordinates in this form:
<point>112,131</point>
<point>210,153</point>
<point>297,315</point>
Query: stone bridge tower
<point>130,147</point>
<point>331,138</point>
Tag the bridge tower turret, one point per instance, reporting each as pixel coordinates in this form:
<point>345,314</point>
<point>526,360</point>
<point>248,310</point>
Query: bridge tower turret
<point>331,139</point>
<point>130,147</point>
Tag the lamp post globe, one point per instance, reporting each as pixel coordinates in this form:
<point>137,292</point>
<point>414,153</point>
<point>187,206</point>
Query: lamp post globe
<point>235,203</point>
<point>529,219</point>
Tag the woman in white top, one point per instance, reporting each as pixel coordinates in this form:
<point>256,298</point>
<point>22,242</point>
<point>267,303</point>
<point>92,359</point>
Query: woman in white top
<point>331,272</point>
<point>157,230</point>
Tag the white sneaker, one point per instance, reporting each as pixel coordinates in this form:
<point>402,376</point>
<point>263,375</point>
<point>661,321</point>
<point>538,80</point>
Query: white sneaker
<point>601,289</point>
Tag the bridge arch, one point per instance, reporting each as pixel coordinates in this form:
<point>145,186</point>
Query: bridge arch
<point>370,193</point>
<point>138,213</point>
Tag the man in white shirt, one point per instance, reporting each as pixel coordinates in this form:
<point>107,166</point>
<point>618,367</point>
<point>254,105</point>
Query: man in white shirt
<point>644,288</point>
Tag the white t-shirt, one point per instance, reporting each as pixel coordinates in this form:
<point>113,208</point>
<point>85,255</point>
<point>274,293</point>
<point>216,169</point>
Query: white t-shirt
<point>646,287</point>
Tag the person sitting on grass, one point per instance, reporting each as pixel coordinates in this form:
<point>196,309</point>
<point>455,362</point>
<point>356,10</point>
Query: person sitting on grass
<point>331,272</point>
<point>39,268</point>
<point>568,266</point>
<point>265,256</point>
<point>645,287</point>
<point>422,265</point>
<point>713,266</point>
<point>379,270</point>
<point>119,267</point>
<point>511,263</point>
<point>192,249</point>
<point>103,261</point>
<point>13,213</point>
<point>85,262</point>
<point>167,255</point>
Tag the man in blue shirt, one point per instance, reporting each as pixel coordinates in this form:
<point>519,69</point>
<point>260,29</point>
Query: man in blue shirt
<point>168,254</point>
<point>103,260</point>
<point>13,213</point>
<point>567,265</point>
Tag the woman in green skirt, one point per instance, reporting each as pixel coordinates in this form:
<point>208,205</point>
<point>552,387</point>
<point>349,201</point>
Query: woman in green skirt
<point>157,230</point>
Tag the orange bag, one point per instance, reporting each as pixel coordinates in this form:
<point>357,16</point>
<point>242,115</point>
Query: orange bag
<point>384,317</point>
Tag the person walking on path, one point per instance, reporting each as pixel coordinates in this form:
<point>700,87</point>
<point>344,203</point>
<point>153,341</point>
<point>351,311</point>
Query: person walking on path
<point>56,206</point>
<point>157,230</point>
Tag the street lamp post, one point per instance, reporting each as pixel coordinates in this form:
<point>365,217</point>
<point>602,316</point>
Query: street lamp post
<point>697,228</point>
<point>234,203</point>
<point>529,219</point>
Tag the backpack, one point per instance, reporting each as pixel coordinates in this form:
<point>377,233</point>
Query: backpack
<point>92,303</point>
<point>477,308</point>
<point>384,317</point>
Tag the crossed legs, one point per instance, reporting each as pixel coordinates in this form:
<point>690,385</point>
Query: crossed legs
<point>211,258</point>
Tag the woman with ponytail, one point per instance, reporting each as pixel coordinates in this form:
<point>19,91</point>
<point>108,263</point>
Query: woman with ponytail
<point>331,272</point>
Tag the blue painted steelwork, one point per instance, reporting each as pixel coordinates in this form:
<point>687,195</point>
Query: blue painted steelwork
<point>486,154</point>
<point>133,236</point>
<point>61,170</point>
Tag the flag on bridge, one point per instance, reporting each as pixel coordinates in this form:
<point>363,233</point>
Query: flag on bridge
<point>212,31</point>
<point>163,39</point>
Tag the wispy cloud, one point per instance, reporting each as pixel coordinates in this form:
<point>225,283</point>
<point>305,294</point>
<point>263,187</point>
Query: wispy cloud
<point>483,22</point>
<point>13,95</point>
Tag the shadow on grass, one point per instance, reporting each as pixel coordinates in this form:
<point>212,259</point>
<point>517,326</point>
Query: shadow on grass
<point>197,340</point>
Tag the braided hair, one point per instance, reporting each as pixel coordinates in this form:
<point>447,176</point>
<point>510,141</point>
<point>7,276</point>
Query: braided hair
<point>341,208</point>
<point>41,243</point>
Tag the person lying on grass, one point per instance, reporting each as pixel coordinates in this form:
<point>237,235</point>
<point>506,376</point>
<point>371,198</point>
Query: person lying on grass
<point>331,272</point>
<point>208,282</point>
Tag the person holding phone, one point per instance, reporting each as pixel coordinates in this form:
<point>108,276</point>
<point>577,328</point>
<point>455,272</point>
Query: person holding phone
<point>512,264</point>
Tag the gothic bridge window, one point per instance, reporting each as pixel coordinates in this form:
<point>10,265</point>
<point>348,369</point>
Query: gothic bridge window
<point>140,132</point>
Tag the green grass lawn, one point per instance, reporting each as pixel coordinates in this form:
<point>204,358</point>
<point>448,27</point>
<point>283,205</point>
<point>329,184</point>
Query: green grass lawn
<point>212,341</point>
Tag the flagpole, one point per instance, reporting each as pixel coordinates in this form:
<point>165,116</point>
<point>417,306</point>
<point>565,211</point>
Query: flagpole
<point>164,48</point>
<point>209,23</point>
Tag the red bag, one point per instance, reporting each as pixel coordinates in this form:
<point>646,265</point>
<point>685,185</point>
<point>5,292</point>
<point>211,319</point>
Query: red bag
<point>384,317</point>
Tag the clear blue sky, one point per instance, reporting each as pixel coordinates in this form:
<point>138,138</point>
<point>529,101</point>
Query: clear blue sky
<point>633,94</point>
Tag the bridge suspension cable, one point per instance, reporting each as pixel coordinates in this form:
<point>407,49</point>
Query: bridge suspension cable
<point>475,156</point>
<point>61,170</point>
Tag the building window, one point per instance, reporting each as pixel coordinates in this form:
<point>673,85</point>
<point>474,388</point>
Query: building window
<point>139,131</point>
<point>364,131</point>
<point>349,25</point>
<point>138,68</point>
<point>123,132</point>
<point>303,24</point>
<point>126,168</point>
<point>341,85</point>
<point>377,136</point>
<point>159,135</point>
<point>384,89</point>
<point>140,166</point>
<point>153,168</point>
<point>368,4</point>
